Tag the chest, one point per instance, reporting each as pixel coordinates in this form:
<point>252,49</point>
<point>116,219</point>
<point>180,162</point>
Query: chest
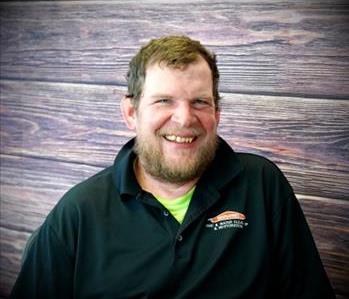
<point>141,251</point>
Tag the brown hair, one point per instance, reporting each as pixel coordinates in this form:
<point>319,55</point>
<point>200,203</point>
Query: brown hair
<point>175,52</point>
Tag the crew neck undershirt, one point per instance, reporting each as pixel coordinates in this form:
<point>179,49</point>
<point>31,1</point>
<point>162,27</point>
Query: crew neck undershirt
<point>178,206</point>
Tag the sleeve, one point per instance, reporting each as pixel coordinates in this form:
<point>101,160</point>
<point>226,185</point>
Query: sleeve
<point>48,269</point>
<point>299,272</point>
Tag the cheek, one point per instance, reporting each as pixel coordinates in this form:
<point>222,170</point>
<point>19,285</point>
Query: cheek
<point>210,123</point>
<point>149,123</point>
<point>157,119</point>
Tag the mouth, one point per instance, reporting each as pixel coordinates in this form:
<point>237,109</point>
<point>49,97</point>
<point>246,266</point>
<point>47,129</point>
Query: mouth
<point>180,139</point>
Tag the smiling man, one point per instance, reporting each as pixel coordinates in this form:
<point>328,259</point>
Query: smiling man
<point>176,123</point>
<point>180,214</point>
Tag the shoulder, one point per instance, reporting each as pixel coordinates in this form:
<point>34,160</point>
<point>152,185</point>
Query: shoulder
<point>86,197</point>
<point>226,157</point>
<point>256,171</point>
<point>265,174</point>
<point>83,204</point>
<point>258,164</point>
<point>97,184</point>
<point>254,162</point>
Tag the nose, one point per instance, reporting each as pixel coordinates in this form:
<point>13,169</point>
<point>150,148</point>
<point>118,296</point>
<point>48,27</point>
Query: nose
<point>184,114</point>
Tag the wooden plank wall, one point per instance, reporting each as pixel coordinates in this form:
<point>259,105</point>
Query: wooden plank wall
<point>284,79</point>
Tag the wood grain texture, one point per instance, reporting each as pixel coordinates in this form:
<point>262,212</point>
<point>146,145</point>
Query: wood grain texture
<point>69,122</point>
<point>284,76</point>
<point>82,124</point>
<point>32,186</point>
<point>323,216</point>
<point>304,137</point>
<point>296,48</point>
<point>23,206</point>
<point>12,244</point>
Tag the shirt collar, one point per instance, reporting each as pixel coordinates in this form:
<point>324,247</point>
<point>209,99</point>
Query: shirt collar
<point>224,167</point>
<point>123,174</point>
<point>221,171</point>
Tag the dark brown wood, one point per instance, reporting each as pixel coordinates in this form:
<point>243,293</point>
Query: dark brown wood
<point>307,138</point>
<point>31,187</point>
<point>284,72</point>
<point>323,216</point>
<point>83,124</point>
<point>69,122</point>
<point>275,47</point>
<point>12,244</point>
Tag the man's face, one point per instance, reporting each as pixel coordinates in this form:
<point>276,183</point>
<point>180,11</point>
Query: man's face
<point>176,122</point>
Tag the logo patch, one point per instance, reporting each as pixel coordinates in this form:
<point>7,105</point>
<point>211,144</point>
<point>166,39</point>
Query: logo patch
<point>227,219</point>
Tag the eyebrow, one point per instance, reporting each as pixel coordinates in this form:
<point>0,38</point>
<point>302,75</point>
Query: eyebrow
<point>161,95</point>
<point>168,96</point>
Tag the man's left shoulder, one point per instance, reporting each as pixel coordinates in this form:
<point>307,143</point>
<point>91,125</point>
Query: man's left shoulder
<point>256,162</point>
<point>263,169</point>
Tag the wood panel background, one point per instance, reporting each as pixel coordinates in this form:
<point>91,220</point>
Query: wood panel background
<point>284,80</point>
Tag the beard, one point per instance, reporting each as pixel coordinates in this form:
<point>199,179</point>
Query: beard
<point>184,170</point>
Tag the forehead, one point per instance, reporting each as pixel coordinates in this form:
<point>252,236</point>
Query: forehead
<point>196,76</point>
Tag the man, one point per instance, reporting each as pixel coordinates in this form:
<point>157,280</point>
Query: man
<point>179,215</point>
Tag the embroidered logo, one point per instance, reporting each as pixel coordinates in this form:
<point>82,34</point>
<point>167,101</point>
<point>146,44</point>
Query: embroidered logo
<point>227,219</point>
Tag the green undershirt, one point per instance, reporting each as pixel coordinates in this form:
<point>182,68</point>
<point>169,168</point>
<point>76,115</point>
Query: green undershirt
<point>178,206</point>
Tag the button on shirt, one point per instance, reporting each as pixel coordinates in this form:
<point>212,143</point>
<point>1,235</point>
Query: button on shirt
<point>177,206</point>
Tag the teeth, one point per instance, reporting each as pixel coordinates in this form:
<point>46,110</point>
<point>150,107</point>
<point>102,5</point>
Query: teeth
<point>179,139</point>
<point>171,137</point>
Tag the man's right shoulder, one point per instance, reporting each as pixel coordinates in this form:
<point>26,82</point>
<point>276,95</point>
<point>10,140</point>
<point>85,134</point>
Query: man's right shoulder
<point>90,192</point>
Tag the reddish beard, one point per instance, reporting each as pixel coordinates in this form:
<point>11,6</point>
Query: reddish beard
<point>157,165</point>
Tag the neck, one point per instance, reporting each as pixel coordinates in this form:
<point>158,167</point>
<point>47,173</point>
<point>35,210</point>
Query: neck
<point>159,187</point>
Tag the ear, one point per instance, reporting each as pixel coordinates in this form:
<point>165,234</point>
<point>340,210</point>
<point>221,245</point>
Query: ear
<point>218,115</point>
<point>128,112</point>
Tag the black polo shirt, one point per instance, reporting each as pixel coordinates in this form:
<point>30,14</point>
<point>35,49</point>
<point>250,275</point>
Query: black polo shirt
<point>244,236</point>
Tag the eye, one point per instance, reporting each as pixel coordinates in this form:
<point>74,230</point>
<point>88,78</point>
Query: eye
<point>201,103</point>
<point>163,101</point>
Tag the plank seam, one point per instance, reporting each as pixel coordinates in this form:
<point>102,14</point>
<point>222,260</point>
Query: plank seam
<point>54,160</point>
<point>222,91</point>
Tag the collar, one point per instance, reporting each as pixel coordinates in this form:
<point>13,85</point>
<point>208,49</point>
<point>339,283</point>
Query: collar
<point>123,173</point>
<point>224,168</point>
